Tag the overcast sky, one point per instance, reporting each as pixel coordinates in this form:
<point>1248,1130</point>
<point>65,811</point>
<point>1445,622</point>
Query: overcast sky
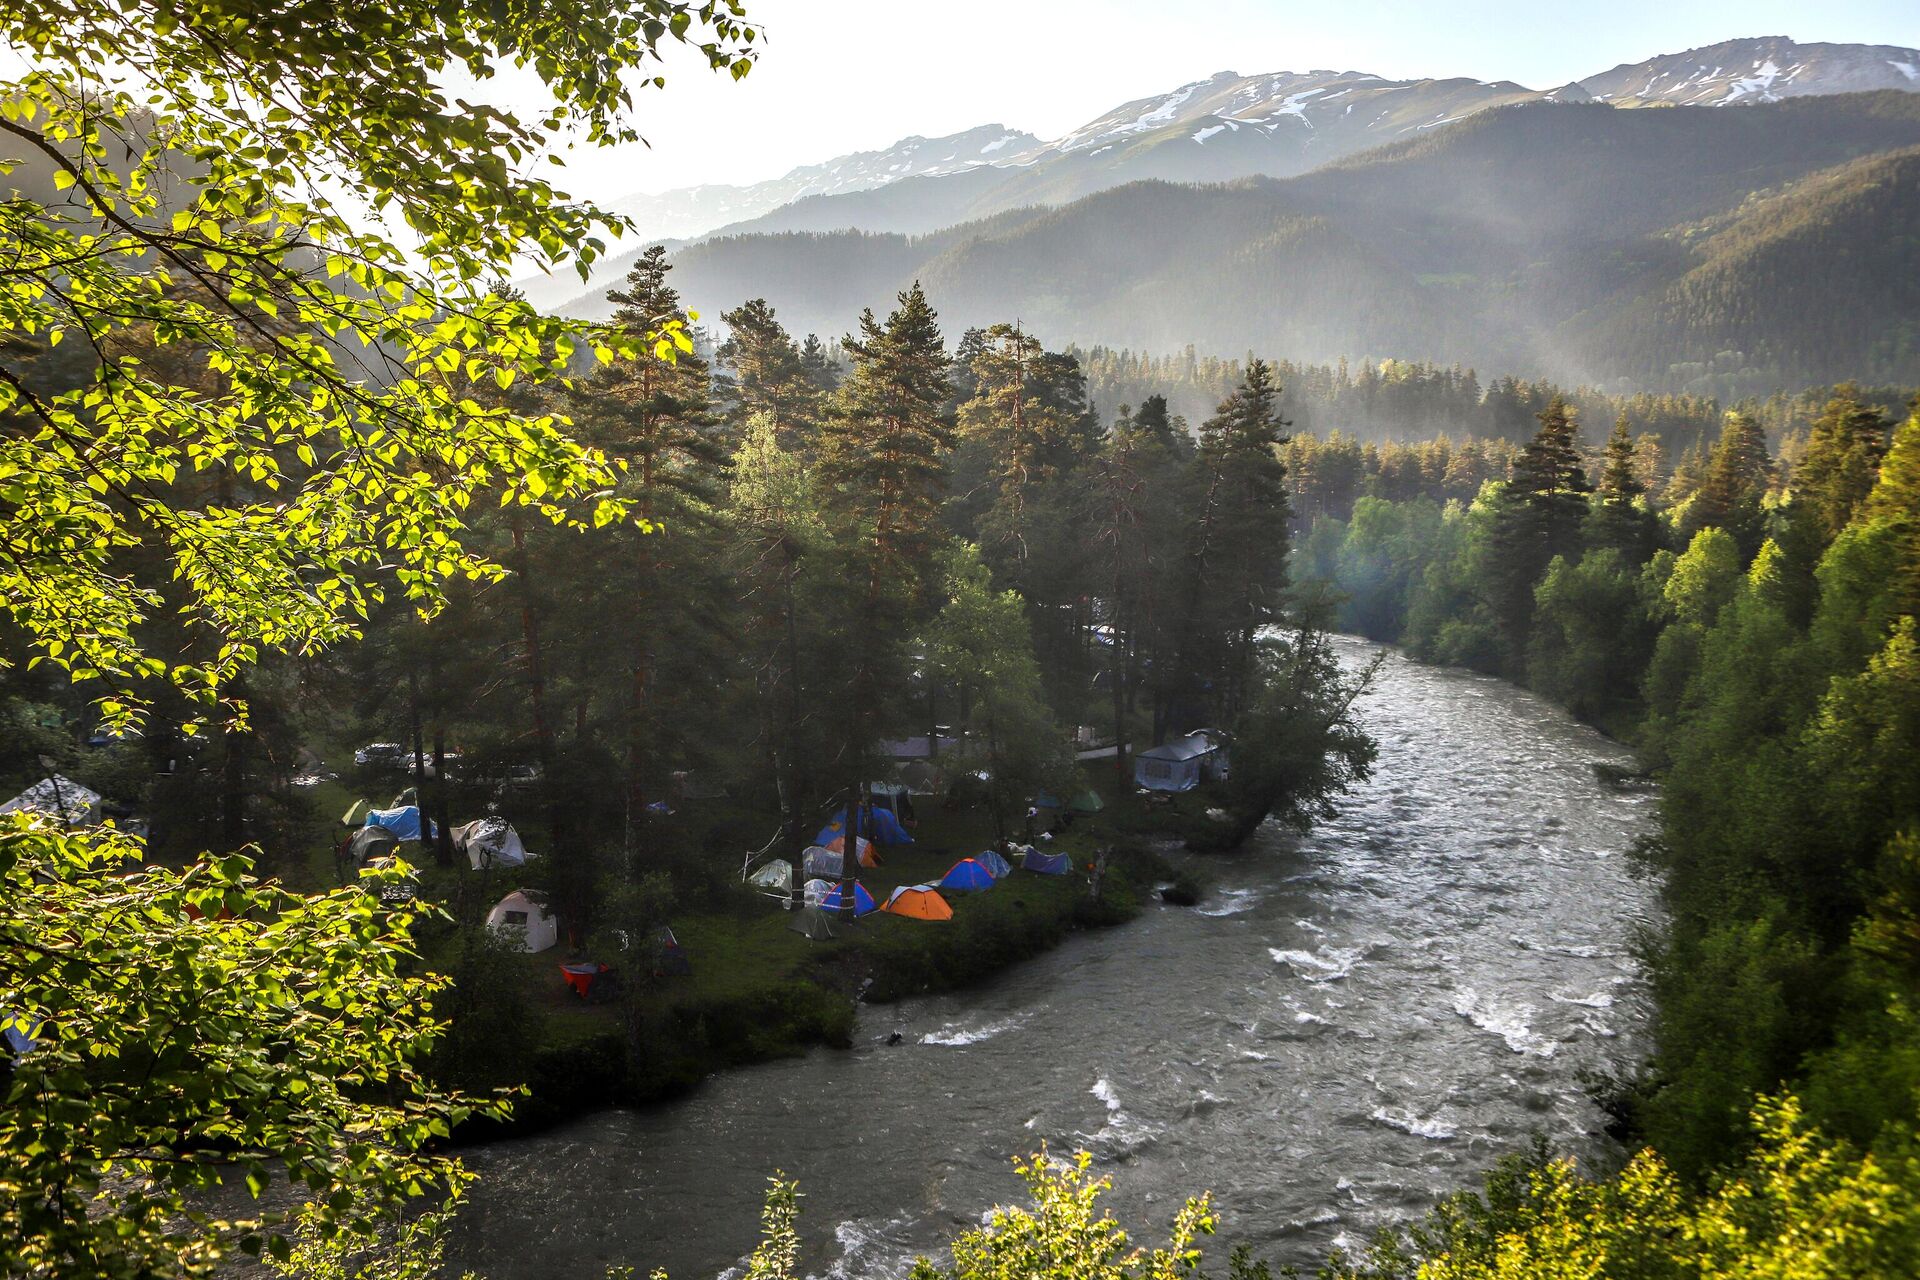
<point>848,75</point>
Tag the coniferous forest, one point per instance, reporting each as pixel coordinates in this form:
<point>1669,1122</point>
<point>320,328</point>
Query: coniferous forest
<point>375,643</point>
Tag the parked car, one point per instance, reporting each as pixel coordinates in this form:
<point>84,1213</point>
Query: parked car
<point>382,755</point>
<point>394,755</point>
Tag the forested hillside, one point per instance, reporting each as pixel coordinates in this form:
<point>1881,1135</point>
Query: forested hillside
<point>1548,237</point>
<point>1748,621</point>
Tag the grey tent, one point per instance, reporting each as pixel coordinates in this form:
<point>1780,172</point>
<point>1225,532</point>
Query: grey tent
<point>369,843</point>
<point>817,862</point>
<point>920,778</point>
<point>1180,765</point>
<point>61,799</point>
<point>814,923</point>
<point>777,874</point>
<point>490,842</point>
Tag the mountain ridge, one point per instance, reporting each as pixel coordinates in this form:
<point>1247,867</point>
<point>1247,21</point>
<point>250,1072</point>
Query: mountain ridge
<point>1534,237</point>
<point>1228,126</point>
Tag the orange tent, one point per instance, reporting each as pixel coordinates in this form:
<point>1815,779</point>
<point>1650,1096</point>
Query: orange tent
<point>869,856</point>
<point>918,902</point>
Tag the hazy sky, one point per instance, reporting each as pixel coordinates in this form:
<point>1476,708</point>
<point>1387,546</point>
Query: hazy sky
<point>847,75</point>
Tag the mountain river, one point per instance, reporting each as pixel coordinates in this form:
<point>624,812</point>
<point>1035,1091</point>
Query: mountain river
<point>1352,1023</point>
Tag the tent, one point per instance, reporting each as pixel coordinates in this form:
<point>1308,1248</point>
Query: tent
<point>490,842</point>
<point>1180,765</point>
<point>673,961</point>
<point>16,1035</point>
<point>863,903</point>
<point>777,874</point>
<point>815,924</point>
<point>997,866</point>
<point>967,876</point>
<point>1047,864</point>
<point>584,980</point>
<point>59,798</point>
<point>894,797</point>
<point>877,824</point>
<point>920,778</point>
<point>404,822</point>
<point>869,856</point>
<point>1087,801</point>
<point>686,784</point>
<point>368,843</point>
<point>827,864</point>
<point>918,902</point>
<point>815,891</point>
<point>526,913</point>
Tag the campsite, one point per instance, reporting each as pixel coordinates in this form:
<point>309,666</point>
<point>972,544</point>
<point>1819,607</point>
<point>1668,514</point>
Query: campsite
<point>756,988</point>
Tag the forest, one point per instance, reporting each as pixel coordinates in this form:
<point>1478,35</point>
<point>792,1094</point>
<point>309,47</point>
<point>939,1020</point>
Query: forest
<point>272,484</point>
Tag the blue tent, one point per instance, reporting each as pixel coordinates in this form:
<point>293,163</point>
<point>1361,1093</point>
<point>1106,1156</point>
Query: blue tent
<point>1047,864</point>
<point>996,866</point>
<point>863,902</point>
<point>967,876</point>
<point>876,824</point>
<point>404,822</point>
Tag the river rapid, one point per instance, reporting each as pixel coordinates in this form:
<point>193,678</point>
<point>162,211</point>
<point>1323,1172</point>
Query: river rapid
<point>1353,1023</point>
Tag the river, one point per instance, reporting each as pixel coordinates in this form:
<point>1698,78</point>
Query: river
<point>1354,1022</point>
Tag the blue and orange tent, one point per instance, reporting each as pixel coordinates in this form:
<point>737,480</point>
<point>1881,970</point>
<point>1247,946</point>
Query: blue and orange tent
<point>863,903</point>
<point>876,824</point>
<point>967,876</point>
<point>918,902</point>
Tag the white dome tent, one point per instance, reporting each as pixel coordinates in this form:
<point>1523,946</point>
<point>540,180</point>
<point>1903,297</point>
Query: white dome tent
<point>528,914</point>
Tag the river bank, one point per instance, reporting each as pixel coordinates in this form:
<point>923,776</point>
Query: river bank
<point>760,992</point>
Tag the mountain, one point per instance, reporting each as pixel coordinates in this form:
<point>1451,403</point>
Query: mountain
<point>692,211</point>
<point>1590,243</point>
<point>1220,129</point>
<point>1764,69</point>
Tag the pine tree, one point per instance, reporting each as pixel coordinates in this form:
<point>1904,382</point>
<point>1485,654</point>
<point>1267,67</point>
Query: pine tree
<point>884,460</point>
<point>661,584</point>
<point>1538,516</point>
<point>762,371</point>
<point>1843,450</point>
<point>1237,565</point>
<point>1735,485</point>
<point>1618,519</point>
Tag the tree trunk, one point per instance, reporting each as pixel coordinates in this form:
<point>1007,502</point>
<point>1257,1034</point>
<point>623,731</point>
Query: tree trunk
<point>790,736</point>
<point>420,790</point>
<point>537,697</point>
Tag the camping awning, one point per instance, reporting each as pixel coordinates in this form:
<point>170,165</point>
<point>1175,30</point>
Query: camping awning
<point>1191,747</point>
